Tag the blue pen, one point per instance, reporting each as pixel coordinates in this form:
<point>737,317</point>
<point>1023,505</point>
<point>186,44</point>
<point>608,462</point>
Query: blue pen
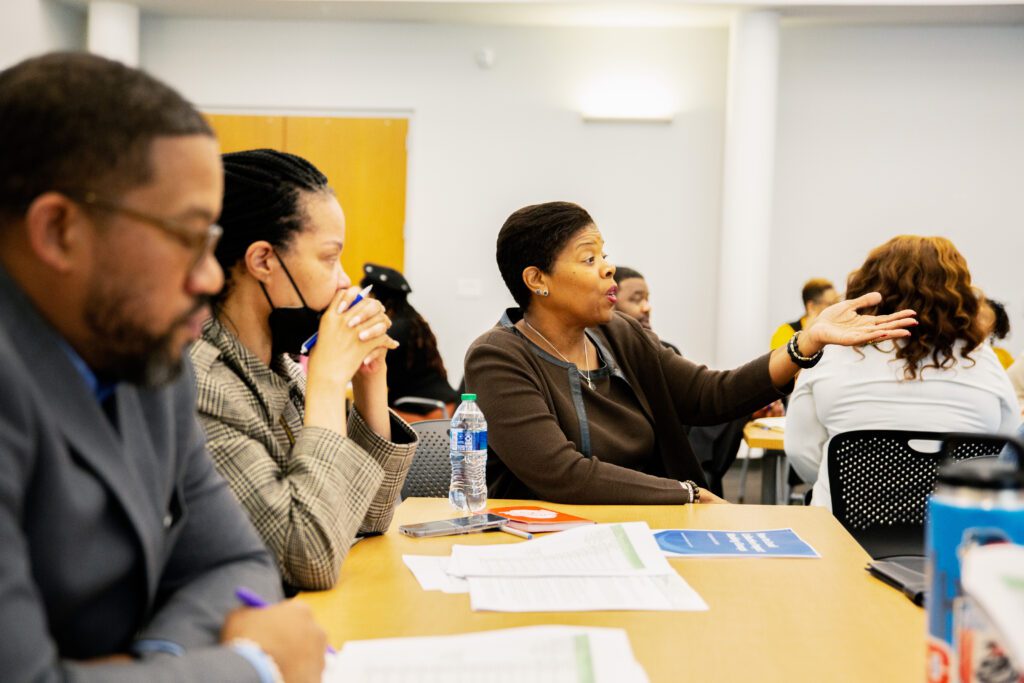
<point>251,599</point>
<point>308,345</point>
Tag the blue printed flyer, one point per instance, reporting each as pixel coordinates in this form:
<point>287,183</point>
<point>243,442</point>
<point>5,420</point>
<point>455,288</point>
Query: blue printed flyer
<point>707,543</point>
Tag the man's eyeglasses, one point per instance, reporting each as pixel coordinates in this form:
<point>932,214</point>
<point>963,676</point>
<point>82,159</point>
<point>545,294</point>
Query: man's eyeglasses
<point>201,244</point>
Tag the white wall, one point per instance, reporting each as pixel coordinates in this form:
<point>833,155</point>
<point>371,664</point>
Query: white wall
<point>484,143</point>
<point>884,131</point>
<point>30,27</point>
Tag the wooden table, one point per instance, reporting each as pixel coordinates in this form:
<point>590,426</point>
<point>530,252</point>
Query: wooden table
<point>774,468</point>
<point>770,620</point>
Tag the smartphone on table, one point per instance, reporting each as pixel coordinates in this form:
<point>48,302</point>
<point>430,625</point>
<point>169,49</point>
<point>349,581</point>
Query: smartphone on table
<point>458,525</point>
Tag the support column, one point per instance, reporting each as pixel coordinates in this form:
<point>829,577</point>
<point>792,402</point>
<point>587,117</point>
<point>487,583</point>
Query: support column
<point>113,31</point>
<point>747,187</point>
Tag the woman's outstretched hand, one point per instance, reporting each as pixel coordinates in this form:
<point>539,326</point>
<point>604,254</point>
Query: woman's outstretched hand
<point>841,324</point>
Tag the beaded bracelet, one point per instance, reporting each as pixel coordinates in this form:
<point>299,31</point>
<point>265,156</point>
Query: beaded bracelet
<point>694,490</point>
<point>801,361</point>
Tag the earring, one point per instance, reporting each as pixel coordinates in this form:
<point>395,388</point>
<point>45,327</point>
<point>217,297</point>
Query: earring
<point>545,293</point>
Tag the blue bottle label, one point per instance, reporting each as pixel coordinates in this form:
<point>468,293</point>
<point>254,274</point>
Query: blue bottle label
<point>468,440</point>
<point>952,530</point>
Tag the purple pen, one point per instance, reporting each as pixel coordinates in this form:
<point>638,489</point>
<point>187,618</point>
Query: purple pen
<point>248,598</point>
<point>251,599</point>
<point>308,345</point>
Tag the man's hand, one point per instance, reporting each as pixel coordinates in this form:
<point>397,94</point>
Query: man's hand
<point>287,633</point>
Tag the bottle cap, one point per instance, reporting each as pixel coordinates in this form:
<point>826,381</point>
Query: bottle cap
<point>981,473</point>
<point>469,397</point>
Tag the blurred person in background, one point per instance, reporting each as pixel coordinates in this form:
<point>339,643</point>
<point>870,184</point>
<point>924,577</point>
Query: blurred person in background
<point>634,299</point>
<point>997,323</point>
<point>415,368</point>
<point>817,294</point>
<point>714,445</point>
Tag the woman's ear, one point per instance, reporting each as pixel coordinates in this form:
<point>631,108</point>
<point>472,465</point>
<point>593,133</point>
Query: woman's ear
<point>257,260</point>
<point>535,280</point>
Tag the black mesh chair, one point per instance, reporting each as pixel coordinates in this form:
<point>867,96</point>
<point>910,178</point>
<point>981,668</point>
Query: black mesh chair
<point>881,482</point>
<point>430,473</point>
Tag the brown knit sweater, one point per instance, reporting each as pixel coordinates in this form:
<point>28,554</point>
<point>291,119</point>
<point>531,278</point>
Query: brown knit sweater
<point>542,443</point>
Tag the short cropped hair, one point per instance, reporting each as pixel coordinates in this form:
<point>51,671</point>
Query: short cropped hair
<point>626,273</point>
<point>814,288</point>
<point>533,236</point>
<point>76,122</point>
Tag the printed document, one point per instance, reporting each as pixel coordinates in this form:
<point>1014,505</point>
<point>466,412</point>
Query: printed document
<point>596,567</point>
<point>537,654</point>
<point>666,593</point>
<point>432,573</point>
<point>626,549</point>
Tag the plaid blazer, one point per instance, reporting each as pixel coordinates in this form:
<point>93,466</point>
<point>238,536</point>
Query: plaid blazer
<point>308,490</point>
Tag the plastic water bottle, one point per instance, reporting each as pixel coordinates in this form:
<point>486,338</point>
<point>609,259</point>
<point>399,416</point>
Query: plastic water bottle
<point>468,452</point>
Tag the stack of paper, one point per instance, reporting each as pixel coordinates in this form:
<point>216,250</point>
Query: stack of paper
<point>553,654</point>
<point>432,573</point>
<point>599,567</point>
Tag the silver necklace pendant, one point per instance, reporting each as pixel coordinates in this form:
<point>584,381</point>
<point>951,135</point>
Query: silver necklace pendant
<point>586,361</point>
<point>586,355</point>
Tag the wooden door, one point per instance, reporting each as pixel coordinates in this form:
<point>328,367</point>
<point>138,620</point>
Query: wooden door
<point>364,161</point>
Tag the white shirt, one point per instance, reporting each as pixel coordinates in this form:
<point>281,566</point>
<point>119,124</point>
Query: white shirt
<point>864,388</point>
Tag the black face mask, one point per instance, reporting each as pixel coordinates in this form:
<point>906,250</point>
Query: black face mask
<point>291,327</point>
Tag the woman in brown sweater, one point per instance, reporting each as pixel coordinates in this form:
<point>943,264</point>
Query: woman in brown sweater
<point>585,406</point>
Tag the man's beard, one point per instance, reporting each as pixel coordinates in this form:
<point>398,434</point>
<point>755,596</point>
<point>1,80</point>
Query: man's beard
<point>128,352</point>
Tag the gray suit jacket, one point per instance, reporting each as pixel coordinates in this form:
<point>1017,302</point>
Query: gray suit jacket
<point>110,536</point>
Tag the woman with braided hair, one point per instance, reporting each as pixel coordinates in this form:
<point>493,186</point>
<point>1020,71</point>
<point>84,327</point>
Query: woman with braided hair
<point>309,478</point>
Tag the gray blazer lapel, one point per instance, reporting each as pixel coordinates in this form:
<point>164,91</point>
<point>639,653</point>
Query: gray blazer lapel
<point>75,411</point>
<point>153,477</point>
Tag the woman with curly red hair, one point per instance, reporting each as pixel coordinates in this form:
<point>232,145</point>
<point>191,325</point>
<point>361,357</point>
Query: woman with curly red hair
<point>941,378</point>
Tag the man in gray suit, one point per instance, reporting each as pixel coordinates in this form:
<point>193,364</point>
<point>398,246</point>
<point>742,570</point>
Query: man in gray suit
<point>122,548</point>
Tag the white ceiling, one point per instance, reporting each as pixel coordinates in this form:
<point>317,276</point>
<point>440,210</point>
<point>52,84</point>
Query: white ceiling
<point>625,13</point>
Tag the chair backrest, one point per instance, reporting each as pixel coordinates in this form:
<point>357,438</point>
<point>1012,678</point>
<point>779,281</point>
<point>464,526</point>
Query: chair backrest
<point>430,472</point>
<point>432,404</point>
<point>880,479</point>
